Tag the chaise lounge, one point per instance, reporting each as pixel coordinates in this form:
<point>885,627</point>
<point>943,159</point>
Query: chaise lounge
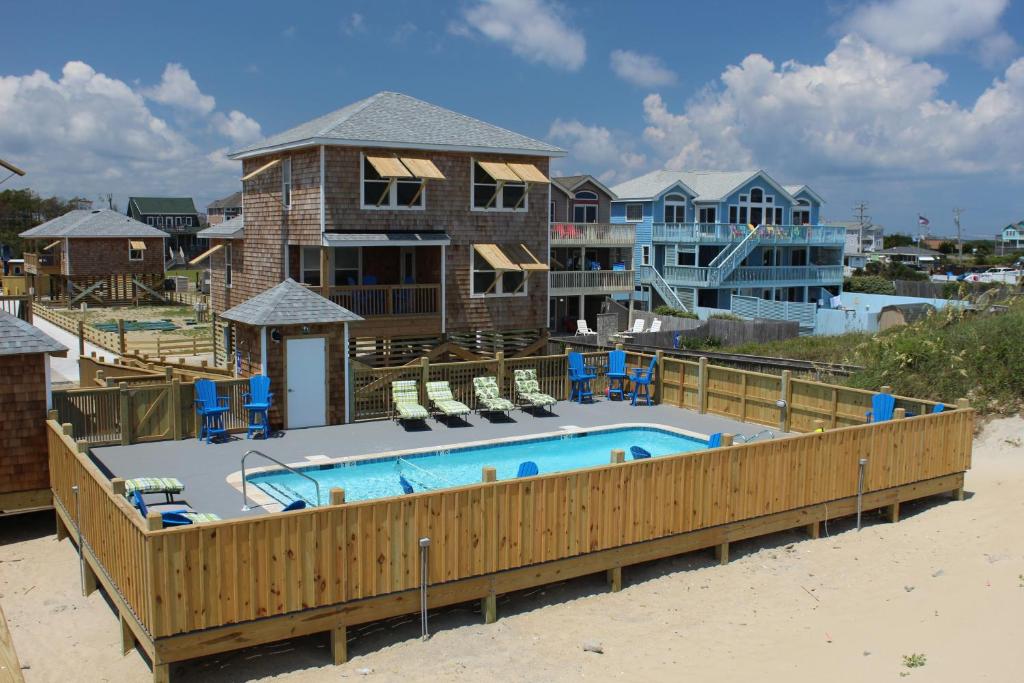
<point>176,517</point>
<point>440,395</point>
<point>489,396</point>
<point>528,391</point>
<point>405,398</point>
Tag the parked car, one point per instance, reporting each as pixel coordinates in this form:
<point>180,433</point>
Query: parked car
<point>999,274</point>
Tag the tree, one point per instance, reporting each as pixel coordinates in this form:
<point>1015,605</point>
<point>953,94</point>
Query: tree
<point>947,247</point>
<point>24,209</point>
<point>897,240</point>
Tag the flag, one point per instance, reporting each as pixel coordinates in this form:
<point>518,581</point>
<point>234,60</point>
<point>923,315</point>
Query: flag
<point>921,220</point>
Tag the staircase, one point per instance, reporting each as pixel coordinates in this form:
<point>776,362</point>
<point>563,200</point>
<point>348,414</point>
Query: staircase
<point>649,276</point>
<point>730,258</point>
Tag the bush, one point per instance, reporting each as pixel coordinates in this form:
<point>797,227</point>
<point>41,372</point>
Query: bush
<point>869,284</point>
<point>700,344</point>
<point>726,316</point>
<point>675,312</point>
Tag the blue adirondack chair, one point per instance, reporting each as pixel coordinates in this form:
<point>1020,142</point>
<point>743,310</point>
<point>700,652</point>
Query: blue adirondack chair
<point>295,505</point>
<point>882,406</point>
<point>641,380</point>
<point>617,373</point>
<point>639,453</point>
<point>169,517</point>
<point>936,409</point>
<point>210,409</point>
<point>527,469</point>
<point>580,375</point>
<point>406,486</point>
<point>258,401</point>
<point>715,440</point>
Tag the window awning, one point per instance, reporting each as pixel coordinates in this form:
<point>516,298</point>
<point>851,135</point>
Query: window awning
<point>137,244</point>
<point>51,245</point>
<point>389,167</point>
<point>261,169</point>
<point>529,173</point>
<point>205,255</point>
<point>500,172</point>
<point>423,168</point>
<point>521,255</point>
<point>495,257</point>
<point>386,239</point>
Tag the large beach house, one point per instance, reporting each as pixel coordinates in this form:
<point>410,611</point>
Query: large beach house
<point>704,238</point>
<point>425,222</point>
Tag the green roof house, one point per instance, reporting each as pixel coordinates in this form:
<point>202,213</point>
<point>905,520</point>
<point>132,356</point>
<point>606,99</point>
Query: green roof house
<point>177,216</point>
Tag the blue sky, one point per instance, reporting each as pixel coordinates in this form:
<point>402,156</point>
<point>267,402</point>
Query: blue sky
<point>911,105</point>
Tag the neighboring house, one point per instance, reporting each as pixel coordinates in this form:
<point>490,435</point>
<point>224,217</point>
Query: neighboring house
<point>861,239</point>
<point>915,257</point>
<point>224,208</point>
<point>1012,236</point>
<point>176,216</point>
<point>225,255</point>
<point>590,259</point>
<point>705,236</point>
<point>420,220</point>
<point>95,256</point>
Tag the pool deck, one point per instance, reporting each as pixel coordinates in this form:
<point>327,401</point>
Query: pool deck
<point>204,469</point>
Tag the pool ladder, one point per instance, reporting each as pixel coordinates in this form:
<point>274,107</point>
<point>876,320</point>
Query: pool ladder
<point>748,439</point>
<point>245,498</point>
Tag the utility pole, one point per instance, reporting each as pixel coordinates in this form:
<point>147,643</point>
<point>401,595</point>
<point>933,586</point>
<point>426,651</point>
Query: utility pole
<point>959,240</point>
<point>860,211</point>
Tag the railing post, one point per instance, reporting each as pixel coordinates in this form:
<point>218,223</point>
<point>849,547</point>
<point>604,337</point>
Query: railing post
<point>659,376</point>
<point>618,456</point>
<point>424,378</point>
<point>500,371</point>
<point>81,338</point>
<point>786,395</point>
<point>565,376</point>
<point>702,384</point>
<point>337,496</point>
<point>962,404</point>
<point>899,414</point>
<point>120,337</point>
<point>154,521</point>
<point>488,474</point>
<point>176,418</point>
<point>126,420</point>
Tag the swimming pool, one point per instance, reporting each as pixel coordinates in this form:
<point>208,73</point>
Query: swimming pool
<point>368,478</point>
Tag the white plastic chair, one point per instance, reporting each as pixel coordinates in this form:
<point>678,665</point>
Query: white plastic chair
<point>581,328</point>
<point>655,325</point>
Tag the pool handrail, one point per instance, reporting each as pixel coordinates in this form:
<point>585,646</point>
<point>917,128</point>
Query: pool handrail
<point>245,499</point>
<point>747,439</point>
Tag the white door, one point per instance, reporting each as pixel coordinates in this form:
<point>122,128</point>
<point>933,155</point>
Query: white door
<point>306,368</point>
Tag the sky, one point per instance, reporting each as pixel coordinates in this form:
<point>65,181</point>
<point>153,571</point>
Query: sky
<point>913,106</point>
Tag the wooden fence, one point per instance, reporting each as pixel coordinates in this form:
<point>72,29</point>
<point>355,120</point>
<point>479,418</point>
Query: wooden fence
<point>18,306</point>
<point>315,569</point>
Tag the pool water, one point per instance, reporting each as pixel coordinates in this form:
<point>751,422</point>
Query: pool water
<point>437,469</point>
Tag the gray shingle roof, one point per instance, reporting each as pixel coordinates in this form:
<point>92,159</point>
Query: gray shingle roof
<point>288,303</point>
<point>568,183</point>
<point>18,337</point>
<point>231,229</point>
<point>706,185</point>
<point>92,223</point>
<point>229,202</point>
<point>390,119</point>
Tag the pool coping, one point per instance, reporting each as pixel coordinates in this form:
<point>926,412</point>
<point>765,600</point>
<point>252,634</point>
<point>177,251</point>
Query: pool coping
<point>257,499</point>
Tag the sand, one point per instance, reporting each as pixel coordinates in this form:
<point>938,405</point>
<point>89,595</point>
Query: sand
<point>947,583</point>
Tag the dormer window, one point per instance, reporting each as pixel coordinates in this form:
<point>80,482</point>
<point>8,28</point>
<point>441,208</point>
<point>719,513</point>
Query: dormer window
<point>675,208</point>
<point>584,207</point>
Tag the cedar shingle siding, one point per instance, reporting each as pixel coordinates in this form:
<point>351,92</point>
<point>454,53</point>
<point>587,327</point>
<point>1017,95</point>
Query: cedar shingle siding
<point>102,256</point>
<point>23,461</point>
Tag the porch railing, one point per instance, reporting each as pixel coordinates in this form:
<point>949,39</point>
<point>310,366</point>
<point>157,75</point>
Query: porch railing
<point>596,280</point>
<point>732,232</point>
<point>36,260</point>
<point>705,276</point>
<point>381,300</point>
<point>592,234</point>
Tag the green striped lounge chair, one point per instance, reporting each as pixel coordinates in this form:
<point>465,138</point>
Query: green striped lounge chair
<point>440,395</point>
<point>165,485</point>
<point>528,390</point>
<point>406,399</point>
<point>489,396</point>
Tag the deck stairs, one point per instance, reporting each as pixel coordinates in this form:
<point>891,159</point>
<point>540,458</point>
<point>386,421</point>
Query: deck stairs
<point>651,277</point>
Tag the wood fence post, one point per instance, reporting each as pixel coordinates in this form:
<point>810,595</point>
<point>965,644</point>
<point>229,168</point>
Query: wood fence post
<point>819,426</point>
<point>962,404</point>
<point>337,496</point>
<point>424,378</point>
<point>500,358</point>
<point>126,420</point>
<point>786,394</point>
<point>659,376</point>
<point>176,418</point>
<point>67,428</point>
<point>566,391</point>
<point>52,415</point>
<point>702,384</point>
<point>118,486</point>
<point>899,414</point>
<point>121,348</point>
<point>81,338</point>
<point>154,522</point>
<point>618,455</point>
<point>488,474</point>
<point>726,440</point>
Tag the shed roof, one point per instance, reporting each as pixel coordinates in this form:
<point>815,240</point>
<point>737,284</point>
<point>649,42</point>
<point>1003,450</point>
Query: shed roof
<point>288,303</point>
<point>164,205</point>
<point>231,229</point>
<point>391,119</point>
<point>18,337</point>
<point>92,223</point>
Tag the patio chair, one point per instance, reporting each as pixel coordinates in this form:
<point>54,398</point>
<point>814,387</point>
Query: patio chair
<point>489,396</point>
<point>715,440</point>
<point>295,505</point>
<point>528,390</point>
<point>580,375</point>
<point>176,517</point>
<point>638,328</point>
<point>882,407</point>
<point>936,409</point>
<point>440,395</point>
<point>527,469</point>
<point>641,380</point>
<point>258,401</point>
<point>405,398</point>
<point>165,485</point>
<point>639,453</point>
<point>616,373</point>
<point>583,328</point>
<point>655,325</point>
<point>210,409</point>
<point>406,486</point>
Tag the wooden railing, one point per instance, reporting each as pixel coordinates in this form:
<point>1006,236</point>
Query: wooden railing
<point>19,306</point>
<point>565,281</point>
<point>592,234</point>
<point>388,300</point>
<point>45,262</point>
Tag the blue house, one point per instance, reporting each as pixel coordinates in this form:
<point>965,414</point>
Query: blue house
<point>703,237</point>
<point>1012,236</point>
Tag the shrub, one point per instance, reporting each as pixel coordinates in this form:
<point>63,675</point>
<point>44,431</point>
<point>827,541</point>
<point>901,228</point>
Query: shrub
<point>726,316</point>
<point>869,284</point>
<point>675,312</point>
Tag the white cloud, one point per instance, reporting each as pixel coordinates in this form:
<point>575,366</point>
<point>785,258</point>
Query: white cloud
<point>403,32</point>
<point>355,24</point>
<point>863,111</point>
<point>644,70</point>
<point>595,150</point>
<point>83,133</point>
<point>178,89</point>
<point>922,27</point>
<point>289,32</point>
<point>533,29</point>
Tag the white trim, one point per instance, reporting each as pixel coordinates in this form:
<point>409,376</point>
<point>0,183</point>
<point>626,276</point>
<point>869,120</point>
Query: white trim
<point>323,210</point>
<point>500,198</point>
<point>49,390</point>
<point>391,204</point>
<point>142,255</point>
<point>348,378</point>
<point>343,142</point>
<point>444,307</point>
<point>495,294</point>
<point>634,220</point>
<point>263,351</point>
<point>675,203</point>
<point>286,169</point>
<point>645,254</point>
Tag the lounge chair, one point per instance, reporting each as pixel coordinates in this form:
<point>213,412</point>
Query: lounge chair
<point>638,327</point>
<point>655,325</point>
<point>489,396</point>
<point>528,390</point>
<point>527,469</point>
<point>257,401</point>
<point>165,485</point>
<point>583,328</point>
<point>882,407</point>
<point>616,373</point>
<point>642,380</point>
<point>580,375</point>
<point>406,486</point>
<point>639,453</point>
<point>405,398</point>
<point>715,440</point>
<point>440,395</point>
<point>176,517</point>
<point>210,409</point>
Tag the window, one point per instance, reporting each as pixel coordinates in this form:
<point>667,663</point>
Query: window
<point>497,195</point>
<point>286,183</point>
<point>150,220</point>
<point>733,214</point>
<point>136,250</point>
<point>675,208</point>
<point>686,258</point>
<point>309,268</point>
<point>634,213</point>
<point>708,214</point>
<point>160,221</point>
<point>645,255</point>
<point>188,221</point>
<point>551,211</point>
<point>390,193</point>
<point>346,266</point>
<point>485,281</point>
<point>584,207</point>
<point>177,220</point>
<point>227,264</point>
<point>756,196</point>
<point>778,215</point>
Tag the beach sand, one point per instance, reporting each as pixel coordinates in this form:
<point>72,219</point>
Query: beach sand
<point>946,582</point>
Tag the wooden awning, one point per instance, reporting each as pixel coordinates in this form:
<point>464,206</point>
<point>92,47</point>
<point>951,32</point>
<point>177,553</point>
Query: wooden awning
<point>389,167</point>
<point>495,257</point>
<point>261,169</point>
<point>137,244</point>
<point>529,173</point>
<point>205,255</point>
<point>525,259</point>
<point>423,168</point>
<point>500,172</point>
<point>51,245</point>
